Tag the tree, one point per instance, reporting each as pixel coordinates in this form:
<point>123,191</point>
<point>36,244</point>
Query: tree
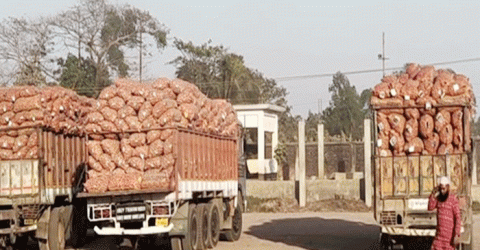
<point>288,126</point>
<point>105,31</point>
<point>365,102</point>
<point>221,74</point>
<point>311,126</point>
<point>78,74</point>
<point>24,49</point>
<point>345,114</point>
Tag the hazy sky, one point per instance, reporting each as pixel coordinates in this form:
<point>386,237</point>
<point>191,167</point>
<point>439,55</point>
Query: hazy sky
<point>305,38</point>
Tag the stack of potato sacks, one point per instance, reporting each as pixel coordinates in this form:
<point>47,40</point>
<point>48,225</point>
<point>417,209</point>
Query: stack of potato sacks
<point>422,112</point>
<point>22,108</point>
<point>131,131</point>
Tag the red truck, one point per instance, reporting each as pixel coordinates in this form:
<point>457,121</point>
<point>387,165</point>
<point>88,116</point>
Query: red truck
<point>38,193</point>
<point>44,197</point>
<point>422,131</point>
<point>203,199</point>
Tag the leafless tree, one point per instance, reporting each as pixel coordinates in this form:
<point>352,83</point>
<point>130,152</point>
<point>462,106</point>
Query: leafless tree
<point>25,46</point>
<point>103,30</point>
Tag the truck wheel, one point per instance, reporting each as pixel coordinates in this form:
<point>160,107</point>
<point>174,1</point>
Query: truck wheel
<point>192,238</point>
<point>213,225</point>
<point>56,229</point>
<point>203,216</point>
<point>234,233</point>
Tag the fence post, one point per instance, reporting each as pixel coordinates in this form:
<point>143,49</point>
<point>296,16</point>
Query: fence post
<point>368,162</point>
<point>301,166</point>
<point>321,152</point>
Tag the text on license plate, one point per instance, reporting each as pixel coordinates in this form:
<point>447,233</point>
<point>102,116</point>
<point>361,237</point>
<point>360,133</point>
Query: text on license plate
<point>161,222</point>
<point>418,204</point>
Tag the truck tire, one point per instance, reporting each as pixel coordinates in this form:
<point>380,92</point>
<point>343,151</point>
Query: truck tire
<point>234,233</point>
<point>56,229</point>
<point>191,241</point>
<point>213,225</point>
<point>203,216</point>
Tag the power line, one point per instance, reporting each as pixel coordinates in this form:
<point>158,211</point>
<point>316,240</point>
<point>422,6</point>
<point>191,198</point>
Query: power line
<point>290,78</point>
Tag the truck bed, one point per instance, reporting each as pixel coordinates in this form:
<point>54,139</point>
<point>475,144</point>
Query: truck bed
<point>203,162</point>
<point>53,172</point>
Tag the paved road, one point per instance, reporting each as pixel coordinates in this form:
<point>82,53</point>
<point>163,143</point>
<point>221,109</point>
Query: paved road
<point>307,231</point>
<point>325,231</point>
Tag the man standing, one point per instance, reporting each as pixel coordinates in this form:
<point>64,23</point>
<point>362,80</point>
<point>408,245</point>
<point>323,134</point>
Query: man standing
<point>448,216</point>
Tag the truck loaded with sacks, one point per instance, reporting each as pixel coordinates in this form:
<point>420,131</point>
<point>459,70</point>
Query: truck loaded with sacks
<point>163,159</point>
<point>142,159</point>
<point>422,129</point>
<point>42,156</point>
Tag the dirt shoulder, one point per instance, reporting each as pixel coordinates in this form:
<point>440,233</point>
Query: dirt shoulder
<point>277,205</point>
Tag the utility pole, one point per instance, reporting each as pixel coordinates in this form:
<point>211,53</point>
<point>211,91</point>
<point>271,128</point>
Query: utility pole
<point>382,56</point>
<point>319,105</point>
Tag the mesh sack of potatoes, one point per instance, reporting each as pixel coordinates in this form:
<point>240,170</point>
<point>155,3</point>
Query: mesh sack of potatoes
<point>129,106</point>
<point>436,99</point>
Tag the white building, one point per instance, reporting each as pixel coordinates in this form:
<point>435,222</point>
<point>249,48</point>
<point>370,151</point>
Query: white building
<point>263,118</point>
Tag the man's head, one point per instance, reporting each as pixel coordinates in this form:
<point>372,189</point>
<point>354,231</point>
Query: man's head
<point>444,188</point>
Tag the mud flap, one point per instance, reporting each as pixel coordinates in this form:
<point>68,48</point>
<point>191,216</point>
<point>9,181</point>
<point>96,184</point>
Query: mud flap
<point>180,221</point>
<point>42,225</point>
<point>227,224</point>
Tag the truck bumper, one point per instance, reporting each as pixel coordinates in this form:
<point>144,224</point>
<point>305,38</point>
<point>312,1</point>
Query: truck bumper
<point>412,231</point>
<point>18,230</point>
<point>408,231</point>
<point>142,231</point>
<point>10,214</point>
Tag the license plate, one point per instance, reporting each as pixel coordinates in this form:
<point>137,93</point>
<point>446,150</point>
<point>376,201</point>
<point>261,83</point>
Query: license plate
<point>161,222</point>
<point>29,221</point>
<point>418,204</point>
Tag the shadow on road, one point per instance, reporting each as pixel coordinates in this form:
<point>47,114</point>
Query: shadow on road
<point>319,233</point>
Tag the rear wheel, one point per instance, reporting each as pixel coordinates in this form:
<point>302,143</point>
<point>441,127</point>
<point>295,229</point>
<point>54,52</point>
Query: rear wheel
<point>192,239</point>
<point>203,216</point>
<point>213,225</point>
<point>56,229</point>
<point>234,233</point>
